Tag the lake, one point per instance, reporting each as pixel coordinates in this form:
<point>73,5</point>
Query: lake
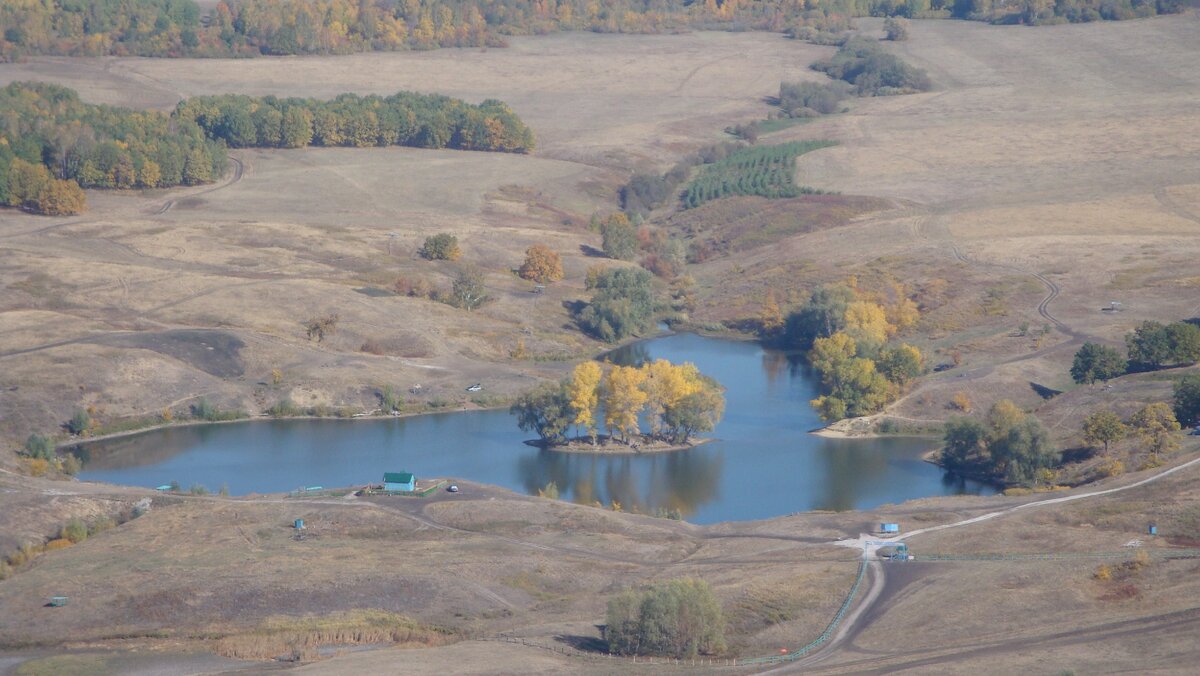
<point>763,462</point>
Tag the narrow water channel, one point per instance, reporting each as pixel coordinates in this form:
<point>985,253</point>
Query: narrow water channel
<point>762,464</point>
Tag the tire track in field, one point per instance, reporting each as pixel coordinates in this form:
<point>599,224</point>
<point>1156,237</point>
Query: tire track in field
<point>238,171</point>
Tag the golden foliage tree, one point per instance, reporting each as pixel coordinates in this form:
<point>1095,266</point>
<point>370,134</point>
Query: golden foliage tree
<point>665,385</point>
<point>867,322</point>
<point>623,399</point>
<point>584,392</point>
<point>542,264</point>
<point>60,198</point>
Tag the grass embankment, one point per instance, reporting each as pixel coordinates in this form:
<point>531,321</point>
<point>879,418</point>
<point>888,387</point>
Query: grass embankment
<point>301,637</point>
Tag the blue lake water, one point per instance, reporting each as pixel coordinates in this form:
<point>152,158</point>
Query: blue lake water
<point>762,464</point>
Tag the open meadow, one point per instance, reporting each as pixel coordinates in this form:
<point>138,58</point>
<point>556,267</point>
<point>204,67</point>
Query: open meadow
<point>1050,171</point>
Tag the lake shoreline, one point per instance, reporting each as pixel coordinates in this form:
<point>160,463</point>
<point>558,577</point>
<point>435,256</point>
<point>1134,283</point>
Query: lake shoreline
<point>584,447</point>
<point>83,441</point>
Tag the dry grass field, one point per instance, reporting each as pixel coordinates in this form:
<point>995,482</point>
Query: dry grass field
<point>1052,170</point>
<point>293,235</point>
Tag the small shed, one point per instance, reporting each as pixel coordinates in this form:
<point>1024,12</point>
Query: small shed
<point>889,528</point>
<point>399,481</point>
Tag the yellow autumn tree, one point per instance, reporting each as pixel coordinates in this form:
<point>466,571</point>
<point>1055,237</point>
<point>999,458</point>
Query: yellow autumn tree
<point>584,392</point>
<point>665,384</point>
<point>770,318</point>
<point>867,322</point>
<point>623,400</point>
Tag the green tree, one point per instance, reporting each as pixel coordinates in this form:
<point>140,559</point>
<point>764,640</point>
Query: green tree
<point>619,237</point>
<point>38,446</point>
<point>1149,345</point>
<point>468,290</point>
<point>1097,362</point>
<point>297,128</point>
<point>546,411</point>
<point>1024,451</point>
<point>622,305</point>
<point>678,618</point>
<point>964,443</point>
<point>441,247</point>
<point>1187,400</point>
<point>80,422</point>
<point>822,316</point>
<point>1103,427</point>
<point>900,364</point>
<point>1185,342</point>
<point>695,412</point>
<point>895,28</point>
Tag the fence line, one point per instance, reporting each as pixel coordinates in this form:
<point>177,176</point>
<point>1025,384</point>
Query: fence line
<point>825,635</point>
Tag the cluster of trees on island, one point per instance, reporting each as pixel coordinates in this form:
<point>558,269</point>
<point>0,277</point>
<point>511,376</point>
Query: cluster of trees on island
<point>675,400</point>
<point>249,27</point>
<point>52,143</point>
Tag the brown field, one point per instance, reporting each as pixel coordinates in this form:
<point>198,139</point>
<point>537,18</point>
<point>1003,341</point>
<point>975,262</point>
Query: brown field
<point>1052,170</point>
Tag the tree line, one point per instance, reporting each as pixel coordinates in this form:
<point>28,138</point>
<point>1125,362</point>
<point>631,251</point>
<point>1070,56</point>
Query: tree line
<point>93,146</point>
<point>174,28</point>
<point>404,118</point>
<point>675,401</point>
<point>52,143</point>
<point>1152,345</point>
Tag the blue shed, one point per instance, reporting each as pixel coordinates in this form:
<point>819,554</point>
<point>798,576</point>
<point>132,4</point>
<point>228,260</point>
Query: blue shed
<point>889,528</point>
<point>399,481</point>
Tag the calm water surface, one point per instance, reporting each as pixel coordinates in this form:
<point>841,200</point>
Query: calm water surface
<point>763,464</point>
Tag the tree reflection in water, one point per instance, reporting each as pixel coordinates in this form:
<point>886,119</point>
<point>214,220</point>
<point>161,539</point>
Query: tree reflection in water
<point>681,480</point>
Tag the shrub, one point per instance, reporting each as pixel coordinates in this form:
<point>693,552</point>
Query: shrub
<point>679,618</point>
<point>441,247</point>
<point>38,446</point>
<point>102,524</point>
<point>198,489</point>
<point>80,422</point>
<point>961,402</point>
<point>413,286</point>
<point>389,400</point>
<point>71,465</point>
<point>58,543</point>
<point>873,70</point>
<point>468,291</point>
<point>75,530</point>
<point>320,327</point>
<point>895,29</point>
<point>805,99</point>
<point>284,408</point>
<point>38,467</point>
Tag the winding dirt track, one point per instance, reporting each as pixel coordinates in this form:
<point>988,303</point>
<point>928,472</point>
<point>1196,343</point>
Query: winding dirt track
<point>877,582</point>
<point>238,170</point>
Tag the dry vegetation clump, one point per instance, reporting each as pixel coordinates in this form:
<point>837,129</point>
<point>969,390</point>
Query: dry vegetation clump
<point>299,638</point>
<point>736,224</point>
